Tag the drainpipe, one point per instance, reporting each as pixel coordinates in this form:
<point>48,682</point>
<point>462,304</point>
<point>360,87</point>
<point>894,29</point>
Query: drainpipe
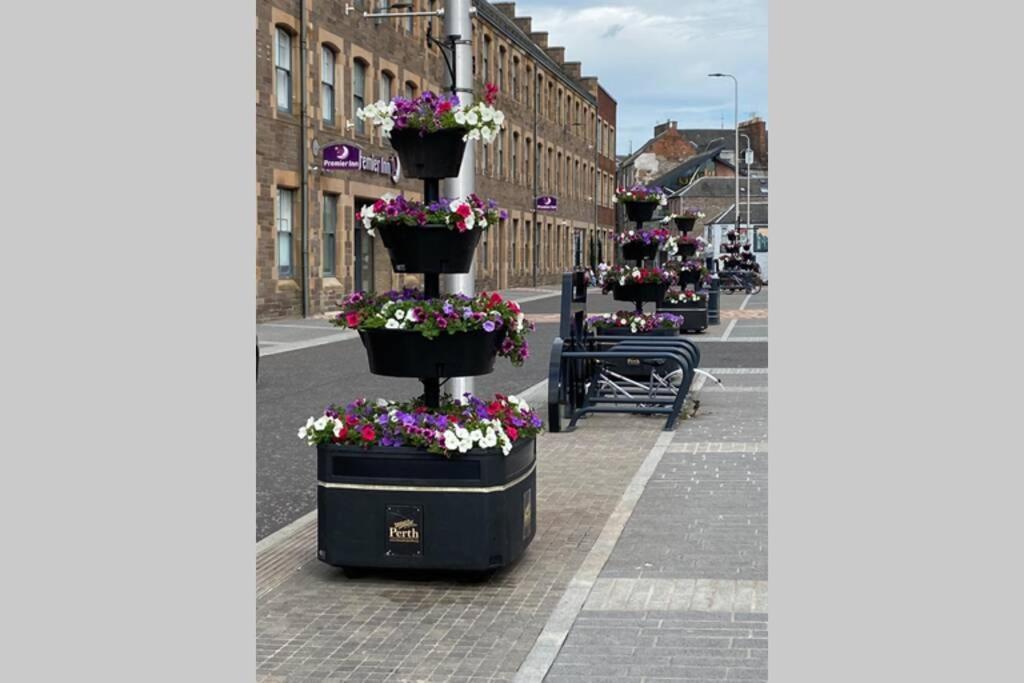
<point>303,162</point>
<point>536,173</point>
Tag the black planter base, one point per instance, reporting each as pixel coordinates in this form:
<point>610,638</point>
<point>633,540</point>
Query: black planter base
<point>402,353</point>
<point>406,509</point>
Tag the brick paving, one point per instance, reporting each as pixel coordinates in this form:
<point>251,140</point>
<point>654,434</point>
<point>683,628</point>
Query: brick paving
<point>684,594</point>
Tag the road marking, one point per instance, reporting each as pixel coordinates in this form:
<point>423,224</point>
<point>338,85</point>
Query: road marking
<point>285,347</point>
<point>729,329</point>
<point>537,663</point>
<point>745,301</point>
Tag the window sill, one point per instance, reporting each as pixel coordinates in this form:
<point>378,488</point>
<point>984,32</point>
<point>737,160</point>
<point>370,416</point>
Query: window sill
<point>331,281</point>
<point>287,285</point>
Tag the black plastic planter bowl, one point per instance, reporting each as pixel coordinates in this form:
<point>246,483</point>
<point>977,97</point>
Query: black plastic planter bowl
<point>408,509</point>
<point>429,248</point>
<point>687,250</point>
<point>684,224</point>
<point>689,277</point>
<point>434,155</point>
<point>695,315</point>
<point>406,353</point>
<point>638,251</point>
<point>640,211</point>
<point>644,292</point>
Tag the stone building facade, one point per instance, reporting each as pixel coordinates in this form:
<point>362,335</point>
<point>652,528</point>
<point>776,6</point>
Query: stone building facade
<point>558,141</point>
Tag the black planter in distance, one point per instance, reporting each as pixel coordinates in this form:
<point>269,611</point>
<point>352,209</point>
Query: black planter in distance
<point>407,353</point>
<point>638,251</point>
<point>430,156</point>
<point>642,292</point>
<point>429,248</point>
<point>689,277</point>
<point>640,211</point>
<point>695,315</point>
<point>687,250</point>
<point>684,224</point>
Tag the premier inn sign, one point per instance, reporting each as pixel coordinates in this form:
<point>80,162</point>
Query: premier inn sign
<point>342,157</point>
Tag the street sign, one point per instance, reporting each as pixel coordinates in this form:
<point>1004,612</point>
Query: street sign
<point>547,203</point>
<point>749,157</point>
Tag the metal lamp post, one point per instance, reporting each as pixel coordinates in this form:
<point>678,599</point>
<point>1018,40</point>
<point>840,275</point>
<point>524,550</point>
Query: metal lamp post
<point>748,159</point>
<point>735,84</point>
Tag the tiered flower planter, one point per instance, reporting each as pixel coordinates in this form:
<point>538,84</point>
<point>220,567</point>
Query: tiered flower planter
<point>409,508</point>
<point>691,300</point>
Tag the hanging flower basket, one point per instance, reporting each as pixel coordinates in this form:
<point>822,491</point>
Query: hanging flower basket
<point>430,248</point>
<point>640,211</point>
<point>684,223</point>
<point>429,155</point>
<point>430,132</point>
<point>408,335</point>
<point>638,251</point>
<point>437,238</point>
<point>640,292</point>
<point>406,353</point>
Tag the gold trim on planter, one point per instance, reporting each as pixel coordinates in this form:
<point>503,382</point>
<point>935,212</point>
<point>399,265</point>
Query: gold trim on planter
<point>430,489</point>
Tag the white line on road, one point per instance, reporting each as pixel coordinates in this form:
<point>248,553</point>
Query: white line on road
<point>285,347</point>
<point>745,301</point>
<point>728,329</point>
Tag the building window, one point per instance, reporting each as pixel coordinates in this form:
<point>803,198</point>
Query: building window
<point>484,245</point>
<point>407,21</point>
<point>330,223</point>
<point>382,7</point>
<point>515,157</point>
<point>515,78</point>
<point>387,86</point>
<point>359,93</point>
<point>501,69</point>
<point>515,234</point>
<point>283,69</point>
<point>558,108</point>
<point>327,62</point>
<point>285,208</point>
<point>410,90</point>
<point>501,155</point>
<point>485,60</point>
<point>432,5</point>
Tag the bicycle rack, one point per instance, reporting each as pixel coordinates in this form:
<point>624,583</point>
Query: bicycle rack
<point>585,373</point>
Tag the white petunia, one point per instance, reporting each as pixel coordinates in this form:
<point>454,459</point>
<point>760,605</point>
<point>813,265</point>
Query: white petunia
<point>400,314</point>
<point>392,324</point>
<point>472,119</point>
<point>499,118</point>
<point>460,117</point>
<point>451,442</point>
<point>320,424</point>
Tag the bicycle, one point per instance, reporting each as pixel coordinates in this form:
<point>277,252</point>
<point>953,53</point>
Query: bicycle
<point>748,281</point>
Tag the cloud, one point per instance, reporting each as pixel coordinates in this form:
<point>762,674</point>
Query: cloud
<point>612,31</point>
<point>657,54</point>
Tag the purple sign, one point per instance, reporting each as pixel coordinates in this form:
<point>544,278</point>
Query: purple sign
<point>547,203</point>
<point>342,158</point>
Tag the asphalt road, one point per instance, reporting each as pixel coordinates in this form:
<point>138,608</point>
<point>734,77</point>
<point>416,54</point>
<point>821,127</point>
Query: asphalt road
<point>295,385</point>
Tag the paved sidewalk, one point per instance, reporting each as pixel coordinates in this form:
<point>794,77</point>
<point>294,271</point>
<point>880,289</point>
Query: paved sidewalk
<point>649,563</point>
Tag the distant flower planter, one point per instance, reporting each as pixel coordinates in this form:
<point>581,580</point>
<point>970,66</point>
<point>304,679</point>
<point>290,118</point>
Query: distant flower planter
<point>638,251</point>
<point>684,223</point>
<point>432,155</point>
<point>640,292</point>
<point>407,353</point>
<point>430,248</point>
<point>640,211</point>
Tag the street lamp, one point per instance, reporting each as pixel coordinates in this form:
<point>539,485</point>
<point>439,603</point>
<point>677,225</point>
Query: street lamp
<point>748,158</point>
<point>736,183</point>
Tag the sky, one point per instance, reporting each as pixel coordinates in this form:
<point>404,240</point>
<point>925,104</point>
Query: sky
<point>653,57</point>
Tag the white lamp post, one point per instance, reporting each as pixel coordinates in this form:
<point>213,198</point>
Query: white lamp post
<point>736,159</point>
